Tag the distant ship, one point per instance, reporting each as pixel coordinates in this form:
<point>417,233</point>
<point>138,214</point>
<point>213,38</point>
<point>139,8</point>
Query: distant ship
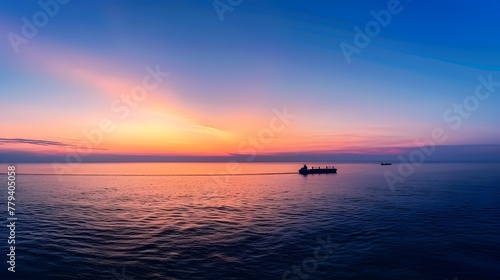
<point>318,170</point>
<point>386,163</point>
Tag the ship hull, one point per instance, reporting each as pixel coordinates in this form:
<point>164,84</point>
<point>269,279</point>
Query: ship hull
<point>318,171</point>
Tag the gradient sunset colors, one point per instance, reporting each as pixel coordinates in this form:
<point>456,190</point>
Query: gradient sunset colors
<point>231,83</point>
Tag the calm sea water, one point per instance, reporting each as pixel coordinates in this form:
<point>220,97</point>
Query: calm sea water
<point>109,221</point>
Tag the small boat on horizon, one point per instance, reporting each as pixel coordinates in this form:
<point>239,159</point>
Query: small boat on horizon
<point>327,170</point>
<point>386,163</point>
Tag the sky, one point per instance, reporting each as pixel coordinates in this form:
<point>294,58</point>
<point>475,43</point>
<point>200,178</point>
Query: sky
<point>206,79</point>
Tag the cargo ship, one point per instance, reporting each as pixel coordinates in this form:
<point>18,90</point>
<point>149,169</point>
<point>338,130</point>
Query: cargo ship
<point>318,170</point>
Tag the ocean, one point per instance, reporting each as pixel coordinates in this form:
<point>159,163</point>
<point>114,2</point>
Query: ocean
<point>262,221</point>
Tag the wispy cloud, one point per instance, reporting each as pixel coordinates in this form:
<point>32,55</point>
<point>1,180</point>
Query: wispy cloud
<point>33,142</point>
<point>192,125</point>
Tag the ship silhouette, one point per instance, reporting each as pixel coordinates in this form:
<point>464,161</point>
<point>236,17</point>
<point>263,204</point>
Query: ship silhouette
<point>327,170</point>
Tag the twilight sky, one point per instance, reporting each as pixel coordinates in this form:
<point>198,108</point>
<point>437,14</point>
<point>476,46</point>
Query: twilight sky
<point>265,77</point>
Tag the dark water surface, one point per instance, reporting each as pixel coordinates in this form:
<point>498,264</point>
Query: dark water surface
<point>442,222</point>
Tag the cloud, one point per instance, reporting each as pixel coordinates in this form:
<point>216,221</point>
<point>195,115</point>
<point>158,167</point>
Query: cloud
<point>462,153</point>
<point>33,142</point>
<point>192,125</point>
